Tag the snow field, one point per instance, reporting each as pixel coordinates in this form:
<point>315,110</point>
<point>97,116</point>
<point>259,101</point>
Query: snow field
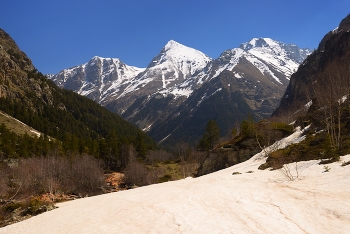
<point>254,201</point>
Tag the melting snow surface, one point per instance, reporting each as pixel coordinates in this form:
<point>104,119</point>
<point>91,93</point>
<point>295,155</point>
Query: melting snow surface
<point>254,201</point>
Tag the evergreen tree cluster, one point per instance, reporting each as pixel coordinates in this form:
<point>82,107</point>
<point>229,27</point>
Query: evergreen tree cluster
<point>77,124</point>
<point>210,137</point>
<point>110,150</point>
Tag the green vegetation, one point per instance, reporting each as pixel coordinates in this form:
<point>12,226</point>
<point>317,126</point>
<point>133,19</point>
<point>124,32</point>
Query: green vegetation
<point>248,128</point>
<point>210,137</point>
<point>315,146</point>
<point>15,126</point>
<point>78,124</point>
<point>160,166</point>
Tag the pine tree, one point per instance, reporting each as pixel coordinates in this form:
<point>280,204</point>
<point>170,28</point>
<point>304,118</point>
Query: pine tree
<point>211,136</point>
<point>248,127</point>
<point>141,146</point>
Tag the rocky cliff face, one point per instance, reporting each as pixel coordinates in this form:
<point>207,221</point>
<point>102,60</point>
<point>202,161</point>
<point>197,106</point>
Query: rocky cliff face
<point>15,83</point>
<point>327,66</point>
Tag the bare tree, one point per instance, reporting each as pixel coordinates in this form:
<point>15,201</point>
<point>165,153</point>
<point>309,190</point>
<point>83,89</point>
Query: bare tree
<point>4,180</point>
<point>331,89</point>
<point>286,168</point>
<point>182,151</point>
<point>136,172</point>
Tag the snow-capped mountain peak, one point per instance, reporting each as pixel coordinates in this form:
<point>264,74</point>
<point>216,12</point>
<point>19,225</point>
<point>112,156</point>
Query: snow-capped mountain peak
<point>96,78</point>
<point>281,57</point>
<point>180,56</point>
<point>174,64</point>
<point>260,69</point>
<point>260,42</point>
<point>172,44</point>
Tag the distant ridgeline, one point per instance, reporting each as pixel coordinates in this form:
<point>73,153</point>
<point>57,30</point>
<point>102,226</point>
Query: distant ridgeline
<point>79,124</point>
<point>182,88</point>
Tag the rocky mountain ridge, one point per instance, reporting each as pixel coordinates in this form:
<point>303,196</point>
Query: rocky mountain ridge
<point>259,70</point>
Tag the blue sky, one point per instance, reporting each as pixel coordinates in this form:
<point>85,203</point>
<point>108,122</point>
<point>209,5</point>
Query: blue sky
<point>61,34</point>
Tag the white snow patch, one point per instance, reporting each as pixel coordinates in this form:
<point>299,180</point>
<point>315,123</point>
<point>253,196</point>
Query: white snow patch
<point>261,201</point>
<point>165,138</point>
<point>262,67</point>
<point>294,138</point>
<point>205,96</point>
<point>343,99</point>
<point>335,31</point>
<point>177,91</point>
<point>307,105</point>
<point>38,134</point>
<point>237,75</point>
<point>258,202</point>
<point>146,129</point>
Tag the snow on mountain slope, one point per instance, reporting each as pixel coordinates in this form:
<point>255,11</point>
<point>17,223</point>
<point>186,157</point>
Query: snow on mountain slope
<point>105,79</point>
<point>100,77</point>
<point>254,201</point>
<point>282,57</point>
<point>174,64</point>
<point>177,70</point>
<point>184,59</point>
<point>267,55</point>
<point>259,69</point>
<point>275,59</point>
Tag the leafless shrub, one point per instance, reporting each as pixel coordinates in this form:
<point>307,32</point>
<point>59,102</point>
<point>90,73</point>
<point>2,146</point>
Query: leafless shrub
<point>34,176</point>
<point>159,156</point>
<point>287,169</point>
<point>137,174</point>
<point>4,171</point>
<point>86,173</point>
<point>182,150</point>
<point>326,168</point>
<point>191,163</point>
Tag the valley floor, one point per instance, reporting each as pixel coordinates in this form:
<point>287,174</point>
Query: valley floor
<point>254,201</point>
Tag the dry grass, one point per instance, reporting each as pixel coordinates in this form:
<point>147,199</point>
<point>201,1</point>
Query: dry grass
<point>16,126</point>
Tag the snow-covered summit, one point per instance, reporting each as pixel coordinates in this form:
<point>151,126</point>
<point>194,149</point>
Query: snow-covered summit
<point>173,65</point>
<point>259,42</point>
<point>272,58</point>
<point>96,77</point>
<point>181,58</point>
<point>278,56</point>
<point>177,71</point>
<point>172,44</point>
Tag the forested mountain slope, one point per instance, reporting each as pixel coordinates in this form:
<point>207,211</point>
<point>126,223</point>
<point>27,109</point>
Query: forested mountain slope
<point>30,97</point>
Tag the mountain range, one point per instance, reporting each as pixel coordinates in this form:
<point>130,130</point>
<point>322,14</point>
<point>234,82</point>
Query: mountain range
<point>182,88</point>
<point>283,180</point>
